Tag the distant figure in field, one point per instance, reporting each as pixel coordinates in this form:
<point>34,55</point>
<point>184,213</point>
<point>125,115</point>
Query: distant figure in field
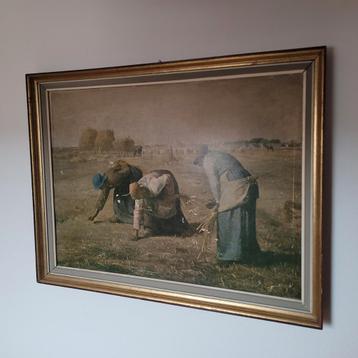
<point>117,177</point>
<point>157,205</point>
<point>268,147</point>
<point>138,151</point>
<point>235,193</point>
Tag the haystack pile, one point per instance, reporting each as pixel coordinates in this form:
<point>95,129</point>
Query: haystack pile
<point>125,145</point>
<point>104,140</point>
<point>88,139</point>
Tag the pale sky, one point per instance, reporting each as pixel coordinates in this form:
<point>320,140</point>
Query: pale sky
<point>188,112</point>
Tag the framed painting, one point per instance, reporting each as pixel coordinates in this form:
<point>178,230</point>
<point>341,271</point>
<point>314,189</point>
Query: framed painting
<point>195,182</point>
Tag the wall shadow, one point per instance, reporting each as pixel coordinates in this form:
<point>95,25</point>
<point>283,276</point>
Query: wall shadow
<point>327,188</point>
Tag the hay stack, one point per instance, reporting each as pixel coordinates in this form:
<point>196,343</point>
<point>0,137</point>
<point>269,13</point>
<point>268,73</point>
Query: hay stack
<point>87,139</point>
<point>125,145</point>
<point>104,140</point>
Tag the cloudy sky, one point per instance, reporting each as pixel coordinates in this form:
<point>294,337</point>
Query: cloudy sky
<point>210,111</point>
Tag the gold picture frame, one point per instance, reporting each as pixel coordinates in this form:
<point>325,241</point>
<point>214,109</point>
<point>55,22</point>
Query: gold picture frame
<point>265,110</point>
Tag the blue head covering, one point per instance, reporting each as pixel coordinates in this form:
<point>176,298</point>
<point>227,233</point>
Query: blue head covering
<point>98,180</point>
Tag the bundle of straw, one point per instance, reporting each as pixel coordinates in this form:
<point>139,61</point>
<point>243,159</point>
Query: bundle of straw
<point>207,227</point>
<point>208,224</point>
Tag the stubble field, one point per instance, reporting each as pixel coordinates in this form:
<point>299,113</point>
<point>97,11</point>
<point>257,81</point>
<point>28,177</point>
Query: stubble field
<point>106,246</point>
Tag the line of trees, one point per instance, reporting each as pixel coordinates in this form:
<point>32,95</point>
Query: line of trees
<point>260,141</point>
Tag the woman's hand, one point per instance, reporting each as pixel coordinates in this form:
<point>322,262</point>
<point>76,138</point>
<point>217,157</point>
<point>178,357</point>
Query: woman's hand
<point>212,204</point>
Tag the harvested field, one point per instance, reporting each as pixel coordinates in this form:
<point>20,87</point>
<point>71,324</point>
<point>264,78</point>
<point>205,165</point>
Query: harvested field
<point>102,245</point>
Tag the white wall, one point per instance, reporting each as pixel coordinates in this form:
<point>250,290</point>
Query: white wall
<point>45,35</point>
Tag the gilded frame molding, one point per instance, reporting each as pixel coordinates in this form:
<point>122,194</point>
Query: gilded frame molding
<point>313,58</point>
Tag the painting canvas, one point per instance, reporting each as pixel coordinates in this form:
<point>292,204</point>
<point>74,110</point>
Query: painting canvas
<point>190,182</point>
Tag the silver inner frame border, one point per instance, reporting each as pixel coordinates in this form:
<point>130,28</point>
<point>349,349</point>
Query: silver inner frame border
<point>304,67</point>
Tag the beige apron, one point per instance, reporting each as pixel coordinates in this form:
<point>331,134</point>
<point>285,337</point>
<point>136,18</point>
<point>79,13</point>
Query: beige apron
<point>233,193</point>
